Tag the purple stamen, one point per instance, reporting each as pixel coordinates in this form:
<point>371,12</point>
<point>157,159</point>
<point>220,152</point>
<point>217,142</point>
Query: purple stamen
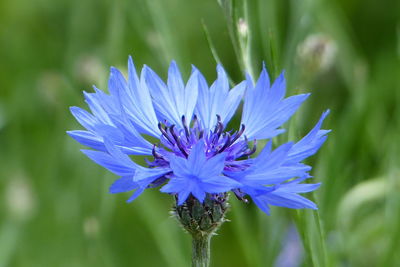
<point>165,134</point>
<point>185,127</point>
<point>177,140</point>
<point>238,134</point>
<point>181,141</point>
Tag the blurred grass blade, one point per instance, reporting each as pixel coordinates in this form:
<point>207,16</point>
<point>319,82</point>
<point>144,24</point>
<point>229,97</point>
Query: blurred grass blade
<point>9,234</point>
<point>210,43</point>
<point>213,50</point>
<point>311,233</point>
<point>228,10</point>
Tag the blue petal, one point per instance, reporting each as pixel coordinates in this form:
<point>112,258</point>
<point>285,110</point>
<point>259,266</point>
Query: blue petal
<point>142,174</point>
<point>219,184</point>
<point>283,195</point>
<point>199,193</point>
<point>135,150</point>
<point>110,132</point>
<point>120,117</point>
<point>120,164</point>
<point>126,184</point>
<point>218,100</point>
<point>218,94</point>
<point>117,87</point>
<point>149,175</point>
<point>117,155</point>
<point>88,139</point>
<point>162,98</point>
<point>134,99</point>
<point>211,167</point>
<point>265,110</point>
<point>197,175</point>
<point>180,186</point>
<point>203,109</point>
<point>175,185</point>
<point>133,79</point>
<point>110,163</point>
<point>191,94</point>
<point>144,114</point>
<point>281,199</point>
<point>121,133</point>
<point>134,176</point>
<point>176,89</point>
<point>97,109</point>
<point>182,196</point>
<point>174,100</point>
<point>86,119</point>
<point>142,185</point>
<point>137,193</point>
<point>133,141</point>
<point>263,205</point>
<point>302,188</point>
<point>310,143</point>
<point>289,200</point>
<point>197,158</point>
<point>123,184</point>
<point>109,103</point>
<point>269,168</point>
<point>179,165</point>
<point>232,102</point>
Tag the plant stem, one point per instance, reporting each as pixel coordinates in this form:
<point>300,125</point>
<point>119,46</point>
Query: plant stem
<point>201,250</point>
<point>201,220</point>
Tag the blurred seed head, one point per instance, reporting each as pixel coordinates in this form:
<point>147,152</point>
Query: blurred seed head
<point>243,28</point>
<point>317,52</point>
<point>19,198</point>
<point>91,227</point>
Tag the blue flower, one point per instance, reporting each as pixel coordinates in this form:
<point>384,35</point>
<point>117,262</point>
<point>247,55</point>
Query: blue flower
<point>195,155</point>
<point>198,175</point>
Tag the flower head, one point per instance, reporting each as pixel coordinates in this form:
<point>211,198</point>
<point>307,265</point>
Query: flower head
<point>195,155</point>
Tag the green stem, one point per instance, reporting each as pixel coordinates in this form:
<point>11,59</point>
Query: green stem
<point>201,250</point>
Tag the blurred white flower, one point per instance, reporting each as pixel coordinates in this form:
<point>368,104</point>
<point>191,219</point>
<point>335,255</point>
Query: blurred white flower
<point>20,199</point>
<point>91,227</point>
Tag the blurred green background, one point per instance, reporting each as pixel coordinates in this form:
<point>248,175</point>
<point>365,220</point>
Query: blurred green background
<point>55,209</point>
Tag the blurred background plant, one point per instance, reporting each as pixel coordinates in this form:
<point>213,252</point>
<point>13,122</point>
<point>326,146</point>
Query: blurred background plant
<point>55,208</point>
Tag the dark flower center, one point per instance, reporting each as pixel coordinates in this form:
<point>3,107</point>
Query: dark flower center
<point>181,141</point>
